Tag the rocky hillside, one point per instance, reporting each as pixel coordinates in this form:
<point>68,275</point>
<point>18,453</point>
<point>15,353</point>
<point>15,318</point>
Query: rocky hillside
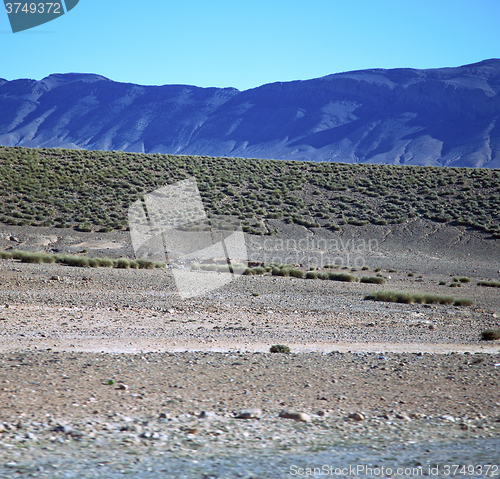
<point>440,117</point>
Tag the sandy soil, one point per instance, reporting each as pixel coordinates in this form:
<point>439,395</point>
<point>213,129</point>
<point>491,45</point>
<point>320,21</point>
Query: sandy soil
<point>424,384</point>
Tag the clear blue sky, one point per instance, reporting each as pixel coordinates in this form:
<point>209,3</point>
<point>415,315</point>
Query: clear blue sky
<point>245,44</point>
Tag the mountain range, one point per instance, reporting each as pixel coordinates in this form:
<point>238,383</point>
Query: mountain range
<point>439,117</point>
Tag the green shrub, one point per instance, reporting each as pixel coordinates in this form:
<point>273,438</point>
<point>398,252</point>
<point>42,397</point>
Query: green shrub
<point>365,268</point>
<point>279,348</point>
<point>145,264</point>
<point>346,277</point>
<point>455,285</point>
<point>442,283</point>
<point>106,262</point>
<point>296,273</point>
<point>372,279</point>
<point>491,334</point>
<point>463,302</point>
<point>377,270</point>
<point>122,263</point>
<point>311,275</point>
<point>464,279</point>
<point>491,284</point>
<point>410,298</point>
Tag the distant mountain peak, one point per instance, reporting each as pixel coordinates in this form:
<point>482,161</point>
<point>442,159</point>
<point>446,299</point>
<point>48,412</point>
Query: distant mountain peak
<point>403,116</point>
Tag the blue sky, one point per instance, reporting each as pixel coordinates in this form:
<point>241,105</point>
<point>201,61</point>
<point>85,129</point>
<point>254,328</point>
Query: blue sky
<point>245,44</point>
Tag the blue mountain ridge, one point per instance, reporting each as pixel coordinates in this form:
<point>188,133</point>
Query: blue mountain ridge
<point>439,117</point>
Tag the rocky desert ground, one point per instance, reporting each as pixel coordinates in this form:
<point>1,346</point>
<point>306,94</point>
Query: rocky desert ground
<point>108,373</point>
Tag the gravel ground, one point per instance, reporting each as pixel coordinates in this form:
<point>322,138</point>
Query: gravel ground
<point>369,384</point>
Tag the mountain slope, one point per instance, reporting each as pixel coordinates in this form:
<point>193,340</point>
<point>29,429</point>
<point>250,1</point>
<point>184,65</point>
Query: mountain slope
<point>442,117</point>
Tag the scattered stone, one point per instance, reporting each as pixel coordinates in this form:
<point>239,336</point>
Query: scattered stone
<point>55,278</point>
<point>254,413</point>
<point>296,416</point>
<point>447,417</point>
<point>207,415</point>
<point>122,386</point>
<point>417,415</point>
<point>165,415</point>
<point>356,416</point>
<point>432,326</point>
<point>403,416</point>
<point>61,428</point>
<point>2,428</point>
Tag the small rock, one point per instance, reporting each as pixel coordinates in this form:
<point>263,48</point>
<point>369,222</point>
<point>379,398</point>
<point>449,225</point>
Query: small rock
<point>254,413</point>
<point>417,415</point>
<point>165,415</point>
<point>207,415</point>
<point>447,417</point>
<point>61,428</point>
<point>122,386</point>
<point>403,416</point>
<point>357,416</point>
<point>13,238</point>
<point>55,278</point>
<point>2,428</point>
<point>296,416</point>
<point>464,427</point>
<point>432,326</point>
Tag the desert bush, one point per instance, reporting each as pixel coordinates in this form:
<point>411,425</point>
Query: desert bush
<point>259,270</point>
<point>365,268</point>
<point>410,298</point>
<point>463,302</point>
<point>279,348</point>
<point>372,279</point>
<point>122,263</point>
<point>442,283</point>
<point>464,279</point>
<point>106,262</point>
<point>296,273</point>
<point>455,285</point>
<point>377,270</point>
<point>491,284</point>
<point>145,264</point>
<point>311,275</point>
<point>346,277</point>
<point>491,334</point>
